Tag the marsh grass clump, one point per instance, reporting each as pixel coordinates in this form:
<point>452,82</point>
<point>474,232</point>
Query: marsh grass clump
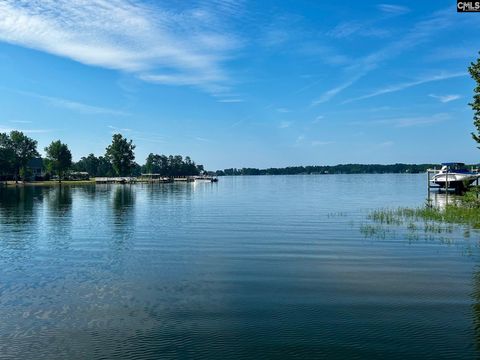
<point>373,231</point>
<point>428,222</point>
<point>452,214</point>
<point>432,217</point>
<point>385,216</point>
<point>337,214</point>
<point>412,226</point>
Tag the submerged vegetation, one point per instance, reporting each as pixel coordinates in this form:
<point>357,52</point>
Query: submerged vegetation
<point>431,217</point>
<point>428,223</point>
<point>463,210</point>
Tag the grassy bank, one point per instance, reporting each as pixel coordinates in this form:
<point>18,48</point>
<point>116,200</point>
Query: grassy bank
<point>48,183</point>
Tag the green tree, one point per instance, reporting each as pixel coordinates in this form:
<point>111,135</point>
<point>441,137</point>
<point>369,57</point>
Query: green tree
<point>23,150</point>
<point>59,158</point>
<point>104,167</point>
<point>152,164</point>
<point>121,156</point>
<point>88,164</point>
<point>6,155</point>
<point>474,70</point>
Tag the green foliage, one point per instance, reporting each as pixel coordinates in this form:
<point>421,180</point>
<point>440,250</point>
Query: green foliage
<point>474,70</point>
<point>25,172</point>
<point>6,155</point>
<point>336,169</point>
<point>59,158</point>
<point>171,165</point>
<point>471,198</point>
<point>88,164</point>
<point>16,150</point>
<point>104,167</point>
<point>120,154</point>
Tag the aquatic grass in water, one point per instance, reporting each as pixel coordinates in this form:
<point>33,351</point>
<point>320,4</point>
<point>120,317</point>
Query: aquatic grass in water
<point>427,223</point>
<point>452,214</point>
<point>373,231</point>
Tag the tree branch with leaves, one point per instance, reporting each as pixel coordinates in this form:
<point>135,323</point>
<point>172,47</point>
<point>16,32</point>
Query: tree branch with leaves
<point>59,158</point>
<point>474,71</point>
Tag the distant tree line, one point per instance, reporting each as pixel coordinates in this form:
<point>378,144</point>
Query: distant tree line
<point>17,150</point>
<point>335,169</point>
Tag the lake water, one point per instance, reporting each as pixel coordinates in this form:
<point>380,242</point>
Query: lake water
<point>249,267</point>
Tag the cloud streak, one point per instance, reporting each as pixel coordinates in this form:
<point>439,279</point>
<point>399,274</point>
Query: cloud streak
<point>74,105</point>
<point>393,9</point>
<point>285,124</point>
<point>406,122</point>
<point>406,85</point>
<point>445,98</point>
<point>176,45</point>
<point>418,34</point>
<point>321,143</point>
<point>26,131</point>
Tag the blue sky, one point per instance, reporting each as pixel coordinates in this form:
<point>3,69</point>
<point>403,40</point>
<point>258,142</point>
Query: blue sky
<point>237,83</point>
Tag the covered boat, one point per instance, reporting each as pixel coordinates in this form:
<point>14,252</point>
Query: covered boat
<point>456,175</point>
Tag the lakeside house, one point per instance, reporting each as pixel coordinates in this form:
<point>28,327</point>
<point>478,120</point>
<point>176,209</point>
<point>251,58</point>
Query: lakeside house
<point>35,169</point>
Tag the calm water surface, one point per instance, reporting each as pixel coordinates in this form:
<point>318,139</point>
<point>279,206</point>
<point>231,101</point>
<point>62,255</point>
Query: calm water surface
<point>249,267</point>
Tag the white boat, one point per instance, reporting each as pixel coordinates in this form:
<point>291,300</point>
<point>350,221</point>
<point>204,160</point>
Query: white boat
<point>456,175</point>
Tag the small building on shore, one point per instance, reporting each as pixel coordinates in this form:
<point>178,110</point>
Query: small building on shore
<point>35,169</point>
<point>78,175</point>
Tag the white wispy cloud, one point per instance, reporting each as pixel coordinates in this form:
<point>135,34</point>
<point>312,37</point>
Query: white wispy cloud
<point>465,50</point>
<point>419,33</point>
<point>445,98</point>
<point>179,44</point>
<point>230,100</point>
<point>150,139</point>
<point>26,131</point>
<point>318,119</point>
<point>405,122</point>
<point>327,54</point>
<point>283,110</point>
<point>201,139</point>
<point>384,144</point>
<point>20,121</point>
<point>137,135</point>
<point>406,85</point>
<point>285,124</point>
<point>349,28</point>
<point>321,143</point>
<point>329,94</point>
<point>118,129</point>
<point>74,105</point>
<point>393,9</point>
<point>275,37</point>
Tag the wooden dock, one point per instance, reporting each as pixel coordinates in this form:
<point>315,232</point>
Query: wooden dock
<point>184,179</point>
<point>116,180</point>
<point>206,178</point>
<point>152,178</point>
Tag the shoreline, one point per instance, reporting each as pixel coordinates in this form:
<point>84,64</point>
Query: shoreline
<point>46,183</point>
